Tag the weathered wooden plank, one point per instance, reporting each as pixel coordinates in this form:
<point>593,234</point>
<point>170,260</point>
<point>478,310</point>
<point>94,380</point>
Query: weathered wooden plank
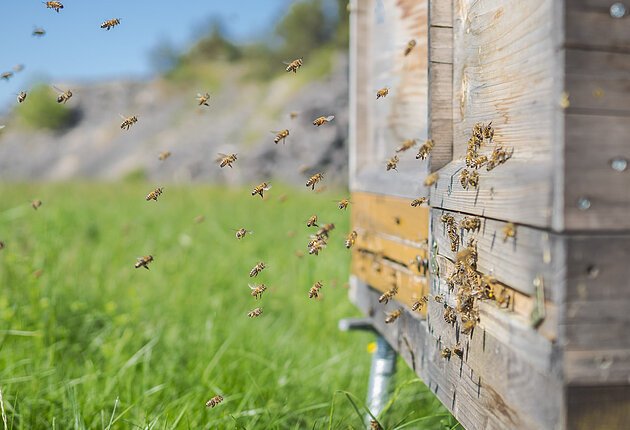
<point>601,408</point>
<point>440,98</point>
<point>405,253</point>
<point>441,13</point>
<point>441,45</point>
<point>589,25</point>
<point>599,367</point>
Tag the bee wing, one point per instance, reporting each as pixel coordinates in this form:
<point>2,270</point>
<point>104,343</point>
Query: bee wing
<point>57,89</point>
<point>252,287</point>
<point>330,118</point>
<point>286,63</point>
<point>122,116</point>
<point>2,126</point>
<point>268,187</point>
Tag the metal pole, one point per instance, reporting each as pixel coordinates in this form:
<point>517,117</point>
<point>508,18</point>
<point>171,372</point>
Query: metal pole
<point>381,372</point>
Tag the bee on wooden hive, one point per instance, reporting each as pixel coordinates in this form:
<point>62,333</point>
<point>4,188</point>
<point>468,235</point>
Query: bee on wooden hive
<point>406,145</point>
<point>431,179</point>
<point>446,353</point>
<point>473,179</point>
<point>110,23</point>
<point>254,313</point>
<point>499,156</point>
<point>63,96</point>
<point>257,290</point>
<point>55,5</point>
<point>294,65</point>
<point>214,401</point>
<point>202,99</point>
<point>21,96</point>
<point>393,316</point>
<point>419,304</point>
<point>470,223</point>
<point>503,299</point>
<point>477,131</point>
<point>388,295</point>
<point>226,160</point>
<point>382,93</point>
<point>419,201</point>
<point>392,163</point>
<point>164,155</point>
<point>509,231</point>
<point>317,177</point>
<point>425,150</point>
<point>468,324</point>
<point>463,178</point>
<point>242,232</point>
<point>260,189</point>
<point>6,75</point>
<point>259,267</point>
<point>410,45</point>
<point>36,204</point>
<point>144,262</point>
<point>323,120</point>
<point>313,293</point>
<point>343,203</point>
<point>488,131</point>
<point>312,221</point>
<point>153,195</point>
<point>439,298</point>
<point>128,121</point>
<point>447,219</point>
<point>449,315</point>
<point>458,350</point>
<point>352,237</point>
<point>280,136</point>
<point>38,32</point>
<point>478,162</point>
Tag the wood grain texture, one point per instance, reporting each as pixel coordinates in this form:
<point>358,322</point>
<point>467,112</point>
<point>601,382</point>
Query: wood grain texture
<point>590,26</point>
<point>600,408</point>
<point>441,13</point>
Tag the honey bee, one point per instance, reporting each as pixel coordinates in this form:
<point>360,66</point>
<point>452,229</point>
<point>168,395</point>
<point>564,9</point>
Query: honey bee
<point>343,203</point>
<point>18,68</point>
<point>449,315</point>
<point>259,267</point>
<point>419,304</point>
<point>470,223</point>
<point>164,155</point>
<point>294,114</point>
<point>214,401</point>
<point>202,99</point>
<point>468,324</point>
<point>294,65</point>
<point>419,201</point>
<point>374,425</point>
<point>477,132</point>
<point>2,245</point>
<point>256,312</point>
<point>313,293</point>
<point>260,189</point>
<point>280,136</point>
<point>323,120</point>
<point>226,160</point>
<point>446,353</point>
<point>6,75</point>
<point>463,178</point>
<point>488,131</point>
<point>393,316</point>
<point>499,156</point>
<point>407,144</point>
<point>388,295</point>
<point>144,262</point>
<point>110,23</point>
<point>509,230</point>
<point>439,298</point>
<point>128,122</point>
<point>153,195</point>
<point>425,149</point>
<point>317,177</point>
<point>478,162</point>
<point>431,179</point>
<point>21,96</point>
<point>473,179</point>
<point>315,246</point>
<point>447,219</point>
<point>382,93</point>
<point>36,204</point>
<point>257,290</point>
<point>458,350</point>
<point>55,5</point>
<point>242,232</point>
<point>352,237</point>
<point>325,230</point>
<point>392,163</point>
<point>63,96</point>
<point>38,32</point>
<point>312,221</point>
<point>410,45</point>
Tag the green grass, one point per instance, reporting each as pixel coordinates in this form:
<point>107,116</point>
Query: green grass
<point>89,342</point>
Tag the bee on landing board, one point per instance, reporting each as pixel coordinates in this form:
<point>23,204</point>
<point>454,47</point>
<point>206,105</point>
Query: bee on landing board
<point>110,23</point>
<point>312,221</point>
<point>260,189</point>
<point>294,65</point>
<point>214,401</point>
<point>226,160</point>
<point>202,99</point>
<point>254,313</point>
<point>241,233</point>
<point>509,231</point>
<point>313,293</point>
<point>55,5</point>
<point>393,316</point>
<point>280,136</point>
<point>323,120</point>
<point>317,177</point>
<point>153,195</point>
<point>21,96</point>
<point>446,353</point>
<point>259,267</point>
<point>382,93</point>
<point>257,290</point>
<point>128,121</point>
<point>144,262</point>
<point>410,45</point>
<point>63,96</point>
<point>164,155</point>
<point>36,204</point>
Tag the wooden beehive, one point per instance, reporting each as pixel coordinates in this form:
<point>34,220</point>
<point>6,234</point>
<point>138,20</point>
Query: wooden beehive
<point>553,77</point>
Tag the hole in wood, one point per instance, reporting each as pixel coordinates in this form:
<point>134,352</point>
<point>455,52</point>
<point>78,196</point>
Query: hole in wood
<point>619,164</point>
<point>592,271</point>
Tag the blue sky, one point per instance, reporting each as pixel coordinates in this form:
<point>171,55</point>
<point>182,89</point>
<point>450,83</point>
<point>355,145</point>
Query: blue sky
<point>76,49</point>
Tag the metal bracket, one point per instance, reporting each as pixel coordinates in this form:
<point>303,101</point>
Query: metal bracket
<point>538,315</point>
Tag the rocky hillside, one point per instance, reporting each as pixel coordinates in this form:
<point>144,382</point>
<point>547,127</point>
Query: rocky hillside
<point>239,119</point>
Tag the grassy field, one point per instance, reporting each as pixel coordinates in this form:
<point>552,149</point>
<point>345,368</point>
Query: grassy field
<point>89,342</point>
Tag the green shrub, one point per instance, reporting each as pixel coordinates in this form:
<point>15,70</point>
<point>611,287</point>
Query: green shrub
<point>40,110</point>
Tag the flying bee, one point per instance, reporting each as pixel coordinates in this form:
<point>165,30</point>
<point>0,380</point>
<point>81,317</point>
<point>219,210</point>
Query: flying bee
<point>323,120</point>
<point>18,68</point>
<point>407,144</point>
<point>343,203</point>
<point>164,155</point>
<point>388,295</point>
<point>315,246</point>
<point>294,65</point>
<point>392,163</point>
<point>214,401</point>
<point>153,195</point>
<point>36,204</point>
<point>410,45</point>
<point>509,230</point>
<point>431,179</point>
<point>352,237</point>
<point>110,23</point>
<point>259,267</point>
<point>144,262</point>
<point>242,232</point>
<point>393,316</point>
<point>2,245</point>
<point>470,223</point>
<point>226,160</point>
<point>317,177</point>
<point>280,136</point>
<point>38,32</point>
<point>257,290</point>
<point>449,315</point>
<point>313,293</point>
<point>128,122</point>
<point>260,189</point>
<point>202,99</point>
<point>55,5</point>
<point>419,201</point>
<point>255,313</point>
<point>21,96</point>
<point>419,304</point>
<point>63,96</point>
<point>294,114</point>
<point>446,353</point>
<point>312,221</point>
<point>6,75</point>
<point>425,149</point>
<point>382,93</point>
<point>325,230</point>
